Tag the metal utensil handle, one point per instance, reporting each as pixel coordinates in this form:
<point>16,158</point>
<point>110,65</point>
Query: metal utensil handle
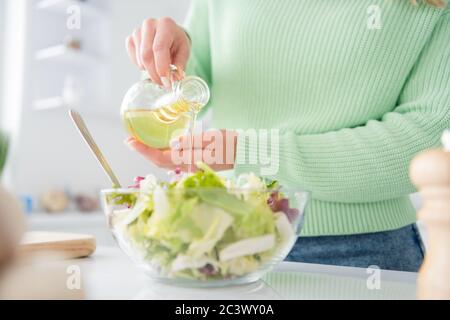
<point>87,137</point>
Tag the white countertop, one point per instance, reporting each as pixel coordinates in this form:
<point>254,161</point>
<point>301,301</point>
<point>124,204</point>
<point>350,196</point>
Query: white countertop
<point>109,274</point>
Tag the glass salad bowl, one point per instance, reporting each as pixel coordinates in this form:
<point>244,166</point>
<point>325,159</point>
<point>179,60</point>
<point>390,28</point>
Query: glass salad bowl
<point>204,231</point>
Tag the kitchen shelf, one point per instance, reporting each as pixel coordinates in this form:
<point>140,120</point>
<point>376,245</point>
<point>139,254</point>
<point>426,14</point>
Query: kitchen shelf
<point>63,54</point>
<point>55,57</point>
<point>57,102</point>
<point>60,6</point>
<point>48,103</point>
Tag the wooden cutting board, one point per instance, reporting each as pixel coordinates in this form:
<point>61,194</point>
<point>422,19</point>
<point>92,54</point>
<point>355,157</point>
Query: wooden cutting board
<point>65,245</point>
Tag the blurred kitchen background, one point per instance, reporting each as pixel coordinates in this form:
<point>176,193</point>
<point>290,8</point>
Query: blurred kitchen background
<point>48,64</point>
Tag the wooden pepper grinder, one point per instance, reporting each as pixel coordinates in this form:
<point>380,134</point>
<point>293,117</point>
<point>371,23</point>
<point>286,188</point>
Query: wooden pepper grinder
<point>430,172</point>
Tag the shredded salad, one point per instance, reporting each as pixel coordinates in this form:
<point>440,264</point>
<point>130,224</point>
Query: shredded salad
<point>204,226</point>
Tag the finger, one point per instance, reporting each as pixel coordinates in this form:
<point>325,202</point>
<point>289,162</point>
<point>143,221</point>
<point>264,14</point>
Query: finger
<point>161,49</point>
<point>137,145</point>
<point>188,158</point>
<point>189,142</point>
<point>208,139</point>
<point>131,49</point>
<point>129,139</point>
<point>179,74</point>
<point>161,158</point>
<point>180,57</point>
<point>164,159</point>
<point>148,152</point>
<point>209,157</point>
<point>137,46</point>
<point>146,50</point>
<point>181,52</point>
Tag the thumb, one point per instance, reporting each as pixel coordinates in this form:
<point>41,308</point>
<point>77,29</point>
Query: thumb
<point>180,59</point>
<point>135,145</point>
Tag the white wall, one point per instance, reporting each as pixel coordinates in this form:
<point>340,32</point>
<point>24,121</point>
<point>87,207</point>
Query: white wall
<point>126,16</point>
<point>50,151</point>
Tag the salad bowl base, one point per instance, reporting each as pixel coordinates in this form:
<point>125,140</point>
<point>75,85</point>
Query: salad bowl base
<point>242,281</point>
<point>258,290</point>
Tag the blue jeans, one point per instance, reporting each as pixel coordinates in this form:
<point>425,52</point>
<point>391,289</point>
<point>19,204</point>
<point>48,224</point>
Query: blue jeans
<point>400,249</point>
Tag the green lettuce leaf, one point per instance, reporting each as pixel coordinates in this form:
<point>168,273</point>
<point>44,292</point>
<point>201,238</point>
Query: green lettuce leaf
<point>213,222</point>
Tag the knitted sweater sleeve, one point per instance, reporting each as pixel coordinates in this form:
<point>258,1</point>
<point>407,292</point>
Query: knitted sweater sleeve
<point>370,163</point>
<point>197,27</point>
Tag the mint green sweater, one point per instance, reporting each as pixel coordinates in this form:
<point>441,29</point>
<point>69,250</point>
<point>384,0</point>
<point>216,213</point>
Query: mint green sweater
<point>353,104</point>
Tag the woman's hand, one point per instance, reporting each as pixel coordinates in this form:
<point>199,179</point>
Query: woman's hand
<point>156,45</point>
<point>215,148</point>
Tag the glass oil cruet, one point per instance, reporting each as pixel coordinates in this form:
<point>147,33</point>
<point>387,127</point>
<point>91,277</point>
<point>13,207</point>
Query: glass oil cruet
<point>155,115</point>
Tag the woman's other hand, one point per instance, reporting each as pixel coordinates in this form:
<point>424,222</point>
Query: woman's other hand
<point>215,148</point>
<point>157,44</point>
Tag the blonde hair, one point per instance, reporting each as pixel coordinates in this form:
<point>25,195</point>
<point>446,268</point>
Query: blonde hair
<point>436,3</point>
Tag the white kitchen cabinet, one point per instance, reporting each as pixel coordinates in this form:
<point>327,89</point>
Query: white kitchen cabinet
<point>46,150</point>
